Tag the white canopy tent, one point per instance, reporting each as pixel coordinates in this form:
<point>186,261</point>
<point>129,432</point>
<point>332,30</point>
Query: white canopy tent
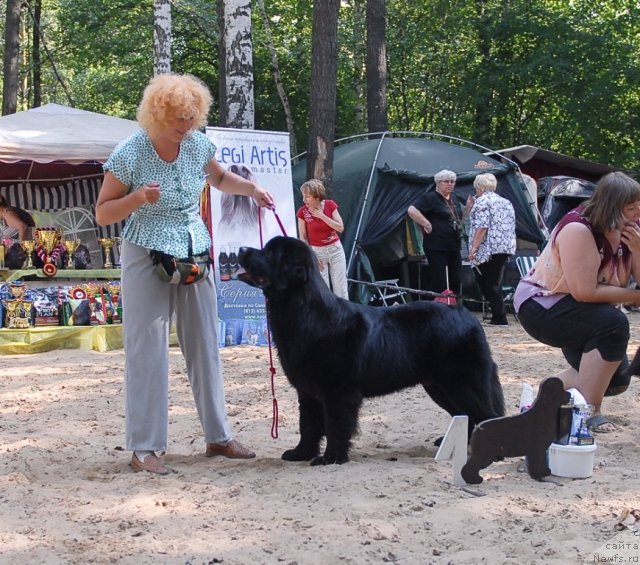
<point>51,164</point>
<point>56,142</point>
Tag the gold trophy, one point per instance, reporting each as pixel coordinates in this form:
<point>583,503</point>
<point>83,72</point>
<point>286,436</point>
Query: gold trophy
<point>70,245</point>
<point>116,309</point>
<point>49,248</point>
<point>106,243</point>
<point>17,290</point>
<point>18,314</point>
<point>28,245</point>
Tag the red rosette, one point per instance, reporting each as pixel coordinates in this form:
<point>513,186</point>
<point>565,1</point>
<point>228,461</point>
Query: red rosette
<point>49,269</point>
<point>78,293</point>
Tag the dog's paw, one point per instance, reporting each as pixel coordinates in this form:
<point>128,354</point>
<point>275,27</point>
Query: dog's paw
<point>298,455</point>
<point>471,477</point>
<point>329,460</point>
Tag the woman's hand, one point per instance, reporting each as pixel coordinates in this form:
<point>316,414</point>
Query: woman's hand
<point>149,193</point>
<point>262,197</point>
<point>630,235</point>
<point>317,212</point>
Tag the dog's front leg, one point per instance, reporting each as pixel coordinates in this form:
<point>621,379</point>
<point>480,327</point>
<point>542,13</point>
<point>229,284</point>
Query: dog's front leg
<point>311,430</point>
<point>341,424</point>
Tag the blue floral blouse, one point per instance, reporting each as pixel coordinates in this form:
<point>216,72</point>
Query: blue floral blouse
<point>170,224</point>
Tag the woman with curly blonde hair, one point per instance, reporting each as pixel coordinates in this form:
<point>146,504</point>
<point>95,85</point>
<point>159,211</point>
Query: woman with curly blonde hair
<point>154,179</point>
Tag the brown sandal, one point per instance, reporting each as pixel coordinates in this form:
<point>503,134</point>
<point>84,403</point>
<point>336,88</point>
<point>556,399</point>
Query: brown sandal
<point>151,464</point>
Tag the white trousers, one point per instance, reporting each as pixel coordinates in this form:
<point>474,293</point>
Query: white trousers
<point>333,267</point>
<point>148,307</point>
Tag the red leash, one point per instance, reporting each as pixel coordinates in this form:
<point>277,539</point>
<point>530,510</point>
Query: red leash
<point>272,369</point>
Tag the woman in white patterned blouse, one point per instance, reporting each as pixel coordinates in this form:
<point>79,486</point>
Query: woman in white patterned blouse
<point>493,239</point>
<point>154,178</point>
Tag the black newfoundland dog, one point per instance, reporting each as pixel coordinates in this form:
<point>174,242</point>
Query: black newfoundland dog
<point>336,353</point>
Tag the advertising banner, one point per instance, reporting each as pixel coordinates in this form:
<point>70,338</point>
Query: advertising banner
<point>264,157</point>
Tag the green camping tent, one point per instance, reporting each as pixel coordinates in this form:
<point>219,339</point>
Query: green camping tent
<point>376,178</point>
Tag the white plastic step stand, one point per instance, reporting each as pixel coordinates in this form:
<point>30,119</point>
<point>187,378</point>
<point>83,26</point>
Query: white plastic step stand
<point>454,447</point>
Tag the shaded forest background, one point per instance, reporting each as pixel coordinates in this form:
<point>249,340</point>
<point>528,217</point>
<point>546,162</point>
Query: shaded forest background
<point>560,74</point>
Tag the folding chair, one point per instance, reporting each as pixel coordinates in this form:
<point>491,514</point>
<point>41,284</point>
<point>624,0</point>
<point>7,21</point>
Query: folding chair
<point>525,264</point>
<point>388,291</point>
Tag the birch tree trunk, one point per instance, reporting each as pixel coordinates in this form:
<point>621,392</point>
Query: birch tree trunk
<point>161,37</point>
<point>324,64</point>
<point>277,77</point>
<point>11,57</point>
<point>236,64</point>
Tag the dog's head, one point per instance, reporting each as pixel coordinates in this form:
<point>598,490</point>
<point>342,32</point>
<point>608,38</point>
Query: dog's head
<point>284,264</point>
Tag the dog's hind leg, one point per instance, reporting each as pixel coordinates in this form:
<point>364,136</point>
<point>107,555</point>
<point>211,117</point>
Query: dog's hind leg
<point>311,430</point>
<point>463,400</point>
<point>341,424</point>
<point>442,399</point>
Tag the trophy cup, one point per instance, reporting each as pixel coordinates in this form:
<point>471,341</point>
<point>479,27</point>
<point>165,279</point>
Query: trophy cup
<point>49,248</point>
<point>17,289</point>
<point>28,245</point>
<point>116,309</point>
<point>70,245</point>
<point>107,244</point>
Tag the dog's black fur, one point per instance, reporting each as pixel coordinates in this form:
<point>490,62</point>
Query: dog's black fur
<point>336,353</point>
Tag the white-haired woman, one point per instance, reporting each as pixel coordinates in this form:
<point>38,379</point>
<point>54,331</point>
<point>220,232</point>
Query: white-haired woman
<point>440,216</point>
<point>493,239</point>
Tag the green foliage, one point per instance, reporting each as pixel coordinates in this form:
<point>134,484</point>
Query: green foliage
<point>564,75</point>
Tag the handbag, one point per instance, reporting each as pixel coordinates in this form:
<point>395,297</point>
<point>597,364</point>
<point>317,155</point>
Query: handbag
<point>181,271</point>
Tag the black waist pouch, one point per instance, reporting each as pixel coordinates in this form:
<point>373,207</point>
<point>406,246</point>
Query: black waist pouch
<point>181,271</point>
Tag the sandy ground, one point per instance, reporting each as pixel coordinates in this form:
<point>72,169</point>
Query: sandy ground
<point>68,495</point>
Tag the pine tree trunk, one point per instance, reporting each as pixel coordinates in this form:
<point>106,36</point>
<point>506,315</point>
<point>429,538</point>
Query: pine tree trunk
<point>161,37</point>
<point>377,119</point>
<point>324,63</point>
<point>236,64</point>
<point>11,57</point>
<point>35,57</point>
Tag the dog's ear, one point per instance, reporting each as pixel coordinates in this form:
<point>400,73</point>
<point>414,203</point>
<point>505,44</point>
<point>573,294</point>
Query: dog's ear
<point>291,276</point>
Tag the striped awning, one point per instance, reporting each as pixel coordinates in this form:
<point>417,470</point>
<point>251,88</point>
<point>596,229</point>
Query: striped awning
<point>77,193</point>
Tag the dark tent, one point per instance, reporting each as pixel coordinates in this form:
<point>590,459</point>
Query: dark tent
<point>376,180</point>
<point>538,162</point>
<point>558,195</point>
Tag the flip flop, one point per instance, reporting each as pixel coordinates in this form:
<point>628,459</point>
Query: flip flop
<point>595,422</point>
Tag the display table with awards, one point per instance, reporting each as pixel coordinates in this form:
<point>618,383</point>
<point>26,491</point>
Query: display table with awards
<point>48,304</point>
<point>41,339</point>
<point>7,275</point>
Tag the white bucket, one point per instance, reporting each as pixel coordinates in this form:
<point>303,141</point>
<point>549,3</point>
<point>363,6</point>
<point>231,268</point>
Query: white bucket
<point>573,461</point>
